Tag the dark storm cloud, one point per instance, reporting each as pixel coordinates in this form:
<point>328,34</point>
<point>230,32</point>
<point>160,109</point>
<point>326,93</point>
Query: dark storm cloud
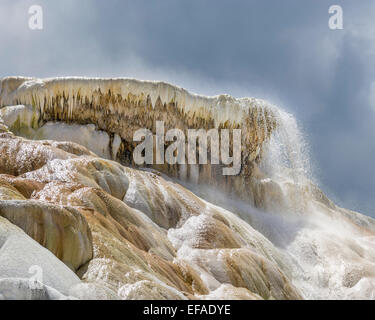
<point>279,50</point>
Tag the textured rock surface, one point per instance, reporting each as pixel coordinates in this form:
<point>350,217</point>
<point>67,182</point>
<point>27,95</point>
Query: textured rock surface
<point>19,255</point>
<point>110,224</point>
<point>62,230</point>
<point>137,234</point>
<point>119,107</point>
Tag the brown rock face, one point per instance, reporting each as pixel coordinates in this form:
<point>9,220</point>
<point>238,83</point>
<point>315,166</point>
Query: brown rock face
<point>111,225</point>
<point>122,106</point>
<point>138,234</point>
<point>63,231</point>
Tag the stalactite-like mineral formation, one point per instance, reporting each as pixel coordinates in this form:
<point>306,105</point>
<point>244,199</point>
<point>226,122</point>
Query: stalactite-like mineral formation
<point>121,106</point>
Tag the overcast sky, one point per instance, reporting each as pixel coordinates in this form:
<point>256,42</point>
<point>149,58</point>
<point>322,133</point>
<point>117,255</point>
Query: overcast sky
<point>282,51</point>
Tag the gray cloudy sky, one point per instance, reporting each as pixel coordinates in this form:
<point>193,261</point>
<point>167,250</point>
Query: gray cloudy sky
<point>282,51</point>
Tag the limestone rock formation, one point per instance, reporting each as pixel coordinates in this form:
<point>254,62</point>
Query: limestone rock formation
<point>119,107</point>
<point>115,234</point>
<point>73,205</point>
<point>20,258</point>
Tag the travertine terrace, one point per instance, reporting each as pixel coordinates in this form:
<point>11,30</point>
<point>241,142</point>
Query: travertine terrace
<point>73,204</point>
